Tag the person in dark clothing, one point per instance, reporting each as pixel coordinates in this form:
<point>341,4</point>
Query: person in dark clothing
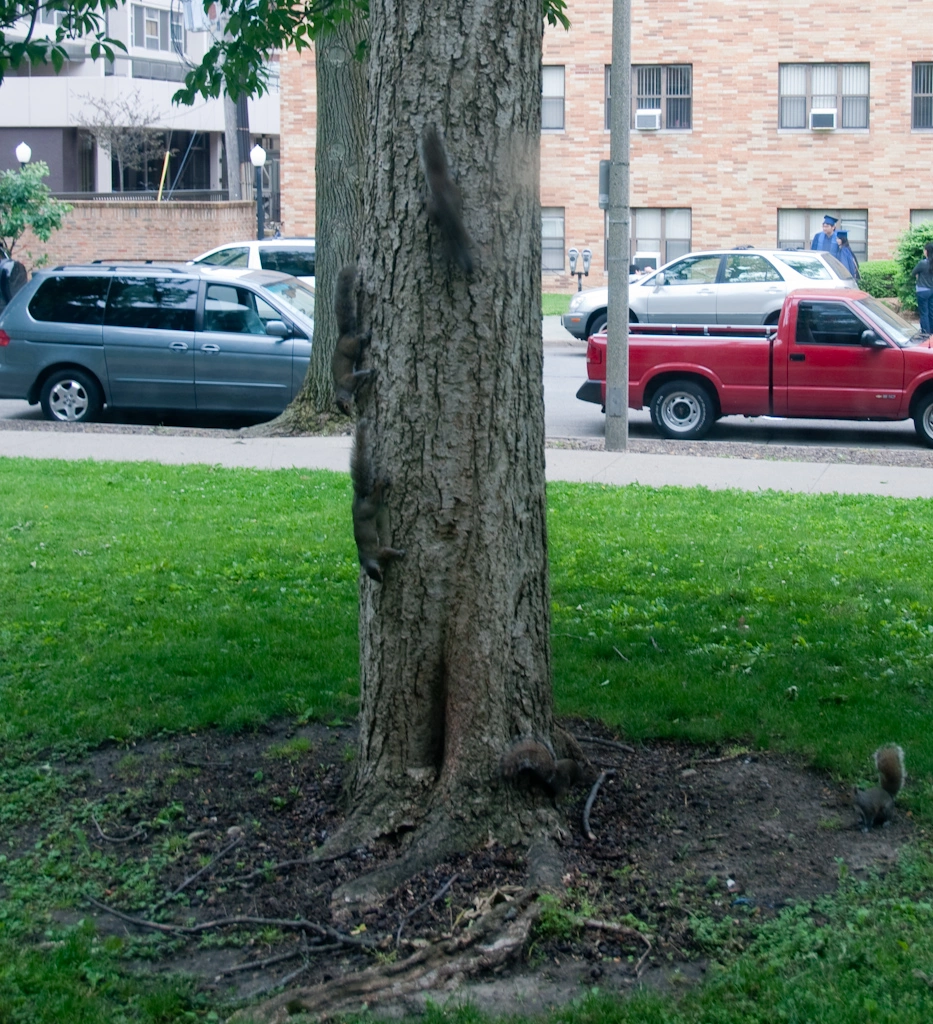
<point>923,274</point>
<point>825,239</point>
<point>845,255</point>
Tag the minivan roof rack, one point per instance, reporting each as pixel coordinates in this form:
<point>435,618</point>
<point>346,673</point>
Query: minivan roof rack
<point>175,266</point>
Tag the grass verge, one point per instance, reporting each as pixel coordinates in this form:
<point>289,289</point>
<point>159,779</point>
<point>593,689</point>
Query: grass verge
<point>142,599</point>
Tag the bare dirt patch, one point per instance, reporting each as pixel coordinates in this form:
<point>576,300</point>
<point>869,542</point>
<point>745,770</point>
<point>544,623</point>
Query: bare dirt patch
<point>681,834</point>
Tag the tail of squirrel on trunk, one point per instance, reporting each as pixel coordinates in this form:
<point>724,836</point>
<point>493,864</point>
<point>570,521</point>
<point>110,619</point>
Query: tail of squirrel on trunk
<point>370,516</point>
<point>445,206</point>
<point>876,806</point>
<point>531,760</point>
<point>351,344</point>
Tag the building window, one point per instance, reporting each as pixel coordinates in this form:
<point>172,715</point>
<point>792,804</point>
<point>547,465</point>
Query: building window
<point>808,88</point>
<point>154,29</point>
<point>918,217</point>
<point>552,97</point>
<point>661,234</point>
<point>797,228</point>
<point>667,89</point>
<point>922,114</point>
<point>552,239</point>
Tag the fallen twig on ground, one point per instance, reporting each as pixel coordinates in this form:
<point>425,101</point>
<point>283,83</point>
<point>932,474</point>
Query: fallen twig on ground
<point>587,831</point>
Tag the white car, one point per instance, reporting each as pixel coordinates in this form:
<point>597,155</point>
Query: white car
<point>294,256</point>
<point>724,286</point>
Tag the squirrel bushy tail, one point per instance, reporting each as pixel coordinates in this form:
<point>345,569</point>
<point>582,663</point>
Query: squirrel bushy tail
<point>350,345</point>
<point>370,516</point>
<point>876,806</point>
<point>445,206</point>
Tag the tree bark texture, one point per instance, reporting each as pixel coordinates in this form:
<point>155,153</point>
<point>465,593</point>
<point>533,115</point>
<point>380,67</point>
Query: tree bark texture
<point>342,141</point>
<point>455,656</point>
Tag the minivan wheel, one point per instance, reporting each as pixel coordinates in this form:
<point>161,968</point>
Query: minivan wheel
<point>683,410</point>
<point>70,396</point>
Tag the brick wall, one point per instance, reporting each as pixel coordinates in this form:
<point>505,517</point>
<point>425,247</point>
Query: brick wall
<point>136,231</point>
<point>298,114</point>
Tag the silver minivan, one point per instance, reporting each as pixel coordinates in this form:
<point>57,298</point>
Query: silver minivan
<point>156,337</point>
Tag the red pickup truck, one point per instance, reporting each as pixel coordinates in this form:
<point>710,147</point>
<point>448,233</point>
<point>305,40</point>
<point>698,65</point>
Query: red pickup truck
<point>839,355</point>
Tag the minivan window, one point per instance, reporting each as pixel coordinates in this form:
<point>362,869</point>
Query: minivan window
<point>294,294</point>
<point>162,303</point>
<point>297,262</point>
<point>70,300</point>
<point>232,310</point>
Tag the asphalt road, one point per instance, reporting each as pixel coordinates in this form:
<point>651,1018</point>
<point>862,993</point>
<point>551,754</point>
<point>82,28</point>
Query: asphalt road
<point>566,416</point>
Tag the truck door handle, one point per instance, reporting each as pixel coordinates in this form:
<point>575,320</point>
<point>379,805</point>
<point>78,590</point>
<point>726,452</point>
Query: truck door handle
<point>179,346</point>
<point>797,357</point>
<point>210,348</point>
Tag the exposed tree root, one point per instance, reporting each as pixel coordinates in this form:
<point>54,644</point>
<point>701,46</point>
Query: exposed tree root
<point>299,420</point>
<point>491,941</point>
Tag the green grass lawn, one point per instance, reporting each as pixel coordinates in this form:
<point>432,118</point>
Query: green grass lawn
<point>142,599</point>
<point>554,303</point>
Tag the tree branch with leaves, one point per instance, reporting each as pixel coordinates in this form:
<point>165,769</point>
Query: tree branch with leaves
<point>79,19</point>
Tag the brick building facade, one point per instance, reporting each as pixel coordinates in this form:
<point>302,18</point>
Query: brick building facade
<point>754,120</point>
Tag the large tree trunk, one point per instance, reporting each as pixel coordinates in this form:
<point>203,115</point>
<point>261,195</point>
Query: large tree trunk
<point>342,140</point>
<point>455,659</point>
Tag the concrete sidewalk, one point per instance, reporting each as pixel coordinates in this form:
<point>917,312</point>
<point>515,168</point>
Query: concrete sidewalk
<point>576,465</point>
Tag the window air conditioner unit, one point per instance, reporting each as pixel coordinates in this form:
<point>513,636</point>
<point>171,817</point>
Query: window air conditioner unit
<point>822,120</point>
<point>647,120</point>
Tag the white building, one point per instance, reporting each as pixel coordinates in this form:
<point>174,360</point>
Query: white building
<point>46,110</point>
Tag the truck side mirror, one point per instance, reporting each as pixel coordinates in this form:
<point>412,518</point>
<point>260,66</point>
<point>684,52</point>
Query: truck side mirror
<point>871,340</point>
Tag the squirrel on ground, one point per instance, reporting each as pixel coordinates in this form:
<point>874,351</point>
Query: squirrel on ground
<point>351,344</point>
<point>445,206</point>
<point>876,806</point>
<point>370,515</point>
<point>534,761</point>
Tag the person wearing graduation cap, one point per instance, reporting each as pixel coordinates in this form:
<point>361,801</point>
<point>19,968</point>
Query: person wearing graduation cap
<point>825,239</point>
<point>845,255</point>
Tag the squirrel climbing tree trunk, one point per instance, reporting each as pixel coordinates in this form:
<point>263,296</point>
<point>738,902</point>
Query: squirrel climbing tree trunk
<point>455,657</point>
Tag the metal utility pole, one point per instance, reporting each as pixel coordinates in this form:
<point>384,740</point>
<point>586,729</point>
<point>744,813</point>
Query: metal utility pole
<point>619,229</point>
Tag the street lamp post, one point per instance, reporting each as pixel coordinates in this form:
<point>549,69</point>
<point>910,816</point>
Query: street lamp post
<point>23,154</point>
<point>257,157</point>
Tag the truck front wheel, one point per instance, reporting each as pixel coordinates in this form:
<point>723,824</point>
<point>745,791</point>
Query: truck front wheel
<point>923,419</point>
<point>683,410</point>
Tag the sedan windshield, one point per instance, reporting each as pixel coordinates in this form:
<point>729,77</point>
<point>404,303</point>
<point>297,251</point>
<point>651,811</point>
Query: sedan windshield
<point>899,330</point>
<point>294,294</point>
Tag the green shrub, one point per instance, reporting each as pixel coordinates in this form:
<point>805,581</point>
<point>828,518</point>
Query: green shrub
<point>908,253</point>
<point>877,277</point>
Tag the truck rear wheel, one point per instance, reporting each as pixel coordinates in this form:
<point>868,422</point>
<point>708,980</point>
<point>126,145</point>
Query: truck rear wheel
<point>682,410</point>
<point>923,419</point>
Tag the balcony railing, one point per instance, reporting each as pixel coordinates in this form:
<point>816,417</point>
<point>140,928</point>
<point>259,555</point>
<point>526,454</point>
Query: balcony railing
<point>189,195</point>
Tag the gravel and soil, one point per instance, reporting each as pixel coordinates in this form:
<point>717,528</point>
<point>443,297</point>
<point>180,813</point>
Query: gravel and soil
<point>680,835</point>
